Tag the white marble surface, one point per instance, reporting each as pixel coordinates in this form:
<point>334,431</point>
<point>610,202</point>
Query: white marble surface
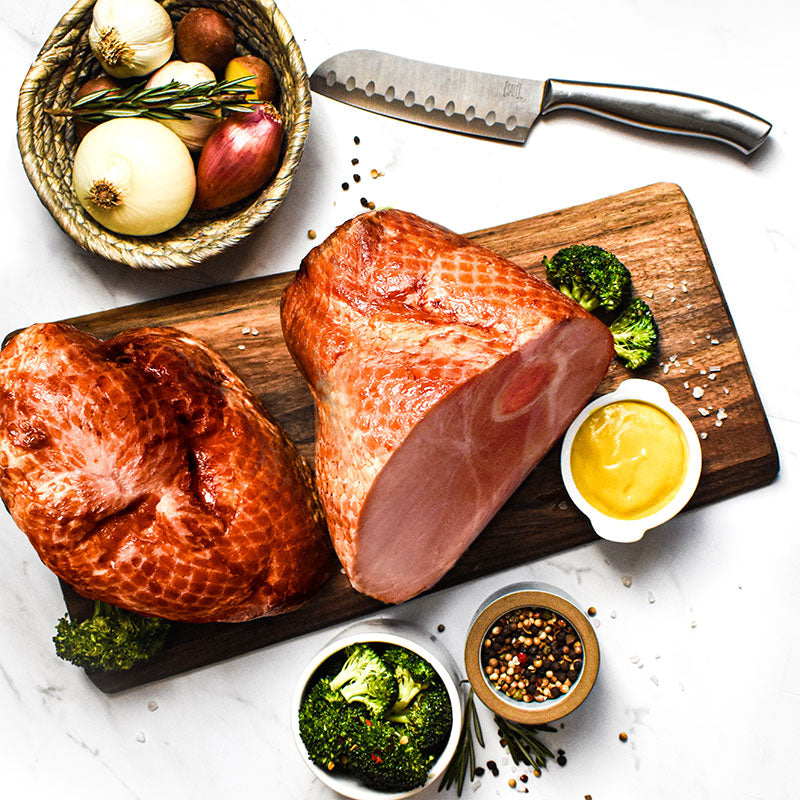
<point>701,654</point>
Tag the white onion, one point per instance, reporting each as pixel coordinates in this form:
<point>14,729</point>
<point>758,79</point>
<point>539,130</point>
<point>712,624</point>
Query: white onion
<point>194,131</point>
<point>134,176</point>
<point>130,37</point>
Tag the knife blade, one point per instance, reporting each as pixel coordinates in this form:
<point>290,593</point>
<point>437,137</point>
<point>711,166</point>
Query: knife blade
<point>504,107</point>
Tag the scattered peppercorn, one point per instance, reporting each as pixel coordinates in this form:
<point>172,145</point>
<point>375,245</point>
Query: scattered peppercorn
<point>354,161</point>
<point>623,737</point>
<point>364,202</point>
<point>591,611</point>
<point>374,173</point>
<point>312,234</point>
<point>537,773</point>
<point>356,177</point>
<point>561,761</point>
<point>512,783</point>
<point>371,205</point>
<point>587,797</point>
<point>356,140</point>
<point>492,767</point>
<point>440,628</point>
<point>532,655</point>
<point>479,771</point>
<point>524,777</point>
<point>345,186</point>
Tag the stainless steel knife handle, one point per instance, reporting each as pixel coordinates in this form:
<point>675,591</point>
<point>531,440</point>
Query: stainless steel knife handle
<point>656,109</point>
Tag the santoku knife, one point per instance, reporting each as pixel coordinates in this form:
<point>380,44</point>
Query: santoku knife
<point>502,107</point>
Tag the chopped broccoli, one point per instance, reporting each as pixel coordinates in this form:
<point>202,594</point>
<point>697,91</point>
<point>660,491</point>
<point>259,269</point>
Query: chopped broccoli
<point>364,678</point>
<point>325,719</point>
<point>429,718</point>
<point>635,334</point>
<point>590,275</point>
<point>413,674</point>
<point>111,639</point>
<point>382,757</point>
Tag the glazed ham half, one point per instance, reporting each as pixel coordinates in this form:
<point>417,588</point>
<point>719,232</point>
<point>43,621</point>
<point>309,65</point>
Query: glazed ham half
<point>147,475</point>
<point>441,374</point>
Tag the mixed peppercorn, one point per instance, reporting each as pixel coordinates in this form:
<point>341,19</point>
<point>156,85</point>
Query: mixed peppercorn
<point>532,655</point>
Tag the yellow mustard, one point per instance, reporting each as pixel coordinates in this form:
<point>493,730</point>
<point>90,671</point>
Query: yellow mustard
<point>629,459</point>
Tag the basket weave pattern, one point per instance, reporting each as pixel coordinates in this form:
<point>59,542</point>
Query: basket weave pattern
<point>47,144</point>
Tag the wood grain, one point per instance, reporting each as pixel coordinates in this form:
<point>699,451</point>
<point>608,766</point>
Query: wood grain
<point>654,232</point>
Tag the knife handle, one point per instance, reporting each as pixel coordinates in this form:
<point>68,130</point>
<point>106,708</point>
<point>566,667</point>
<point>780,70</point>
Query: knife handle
<point>656,109</point>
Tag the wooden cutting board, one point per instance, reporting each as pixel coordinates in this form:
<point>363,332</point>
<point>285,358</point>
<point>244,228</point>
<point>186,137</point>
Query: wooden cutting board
<point>654,232</point>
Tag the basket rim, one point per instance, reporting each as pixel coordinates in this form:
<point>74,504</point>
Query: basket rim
<point>136,251</point>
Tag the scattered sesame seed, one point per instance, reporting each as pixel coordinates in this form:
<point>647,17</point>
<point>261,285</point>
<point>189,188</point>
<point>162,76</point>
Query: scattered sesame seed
<point>690,362</point>
<point>686,384</point>
<point>673,358</point>
<point>665,369</point>
<point>684,288</point>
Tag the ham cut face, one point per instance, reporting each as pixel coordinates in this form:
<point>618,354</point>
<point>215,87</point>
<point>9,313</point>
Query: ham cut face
<point>441,374</point>
<point>146,474</point>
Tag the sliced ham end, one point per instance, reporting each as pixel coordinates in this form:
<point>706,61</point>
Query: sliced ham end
<point>466,457</point>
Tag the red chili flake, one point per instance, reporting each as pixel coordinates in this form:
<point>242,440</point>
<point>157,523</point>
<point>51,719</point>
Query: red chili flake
<point>522,658</point>
<point>368,722</point>
<point>376,758</point>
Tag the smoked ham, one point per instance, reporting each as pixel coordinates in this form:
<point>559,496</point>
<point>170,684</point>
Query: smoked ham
<point>441,374</point>
<point>146,474</point>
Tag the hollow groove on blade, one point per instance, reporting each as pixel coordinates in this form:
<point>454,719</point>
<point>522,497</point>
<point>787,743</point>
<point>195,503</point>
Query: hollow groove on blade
<point>474,103</point>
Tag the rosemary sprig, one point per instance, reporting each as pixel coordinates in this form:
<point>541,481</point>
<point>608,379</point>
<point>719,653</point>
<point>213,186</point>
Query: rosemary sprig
<point>173,100</point>
<point>522,744</point>
<point>464,757</point>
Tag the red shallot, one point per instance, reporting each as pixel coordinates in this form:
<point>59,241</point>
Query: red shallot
<point>240,156</point>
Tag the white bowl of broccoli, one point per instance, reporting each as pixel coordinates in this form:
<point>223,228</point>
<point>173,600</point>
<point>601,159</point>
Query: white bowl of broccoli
<point>377,712</point>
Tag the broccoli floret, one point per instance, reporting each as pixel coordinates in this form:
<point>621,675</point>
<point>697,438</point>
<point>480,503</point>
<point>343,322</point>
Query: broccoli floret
<point>590,275</point>
<point>413,675</point>
<point>111,639</point>
<point>364,678</point>
<point>429,718</point>
<point>635,334</point>
<point>325,719</point>
<point>383,757</point>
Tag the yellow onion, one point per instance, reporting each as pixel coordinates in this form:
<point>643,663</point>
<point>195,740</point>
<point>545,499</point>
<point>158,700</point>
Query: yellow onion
<point>240,156</point>
<point>193,131</point>
<point>134,176</point>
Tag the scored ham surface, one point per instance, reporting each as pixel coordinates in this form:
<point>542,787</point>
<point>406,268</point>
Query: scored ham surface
<point>146,474</point>
<point>441,374</point>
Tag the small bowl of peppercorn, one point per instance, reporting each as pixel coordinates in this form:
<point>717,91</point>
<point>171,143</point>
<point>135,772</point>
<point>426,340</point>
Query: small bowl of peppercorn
<point>531,653</point>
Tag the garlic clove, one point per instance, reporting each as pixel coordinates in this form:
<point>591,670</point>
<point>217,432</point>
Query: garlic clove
<point>195,130</point>
<point>131,37</point>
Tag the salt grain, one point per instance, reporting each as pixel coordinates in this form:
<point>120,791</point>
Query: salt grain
<point>245,331</point>
<point>703,411</point>
<point>690,362</point>
<point>712,376</point>
<point>241,347</point>
<point>254,332</point>
<point>715,341</point>
<point>651,598</point>
<point>704,435</point>
<point>654,679</point>
<point>140,737</point>
<point>626,581</point>
<point>697,392</point>
<point>649,294</point>
<point>152,705</point>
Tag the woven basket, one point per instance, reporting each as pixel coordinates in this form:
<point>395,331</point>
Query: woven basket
<point>48,144</point>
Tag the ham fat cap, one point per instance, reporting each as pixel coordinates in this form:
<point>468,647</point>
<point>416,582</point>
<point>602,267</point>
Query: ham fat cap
<point>146,474</point>
<point>441,374</point>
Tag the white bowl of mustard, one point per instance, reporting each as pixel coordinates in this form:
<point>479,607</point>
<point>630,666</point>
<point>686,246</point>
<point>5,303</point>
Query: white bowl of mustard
<point>631,460</point>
